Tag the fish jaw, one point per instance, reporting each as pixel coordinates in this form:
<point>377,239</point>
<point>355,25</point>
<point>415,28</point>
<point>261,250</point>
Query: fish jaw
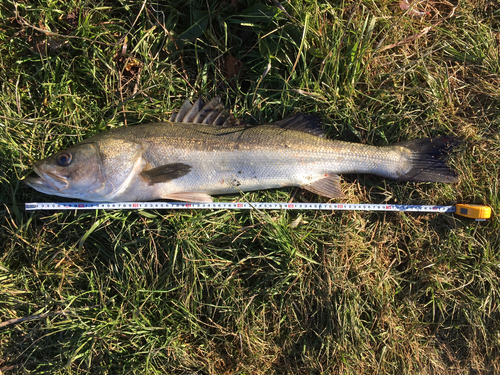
<point>47,182</point>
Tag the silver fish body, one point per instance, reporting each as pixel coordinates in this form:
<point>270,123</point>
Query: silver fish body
<point>192,161</point>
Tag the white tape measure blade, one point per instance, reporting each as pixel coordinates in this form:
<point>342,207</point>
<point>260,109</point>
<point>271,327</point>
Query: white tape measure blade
<point>37,206</point>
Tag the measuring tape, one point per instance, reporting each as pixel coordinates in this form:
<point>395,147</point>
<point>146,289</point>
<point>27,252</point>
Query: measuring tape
<point>478,212</point>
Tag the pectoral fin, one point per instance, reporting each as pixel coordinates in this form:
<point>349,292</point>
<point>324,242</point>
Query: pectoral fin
<point>327,187</point>
<point>165,173</point>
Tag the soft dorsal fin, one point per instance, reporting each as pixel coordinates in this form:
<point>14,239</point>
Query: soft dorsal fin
<point>302,123</point>
<point>212,113</point>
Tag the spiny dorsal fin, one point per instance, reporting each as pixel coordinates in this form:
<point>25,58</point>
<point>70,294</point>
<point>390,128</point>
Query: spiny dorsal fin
<point>177,117</point>
<point>302,123</point>
<point>212,113</point>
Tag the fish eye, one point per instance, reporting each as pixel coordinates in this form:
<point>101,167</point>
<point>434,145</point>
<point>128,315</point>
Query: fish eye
<point>64,159</point>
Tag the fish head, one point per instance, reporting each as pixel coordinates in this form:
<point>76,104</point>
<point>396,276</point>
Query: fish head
<point>73,173</point>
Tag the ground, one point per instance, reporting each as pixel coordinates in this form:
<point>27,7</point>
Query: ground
<point>252,292</point>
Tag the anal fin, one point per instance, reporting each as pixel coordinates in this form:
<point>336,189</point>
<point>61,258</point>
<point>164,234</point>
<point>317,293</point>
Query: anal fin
<point>189,197</point>
<point>327,187</point>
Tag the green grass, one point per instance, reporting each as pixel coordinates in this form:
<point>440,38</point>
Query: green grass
<point>216,292</point>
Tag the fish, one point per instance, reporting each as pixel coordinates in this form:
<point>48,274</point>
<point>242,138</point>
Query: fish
<point>203,151</point>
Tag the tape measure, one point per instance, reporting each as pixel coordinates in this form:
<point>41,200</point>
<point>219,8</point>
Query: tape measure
<point>474,211</point>
<point>478,212</point>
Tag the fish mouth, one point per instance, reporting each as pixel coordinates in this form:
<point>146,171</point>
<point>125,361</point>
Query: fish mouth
<point>46,180</point>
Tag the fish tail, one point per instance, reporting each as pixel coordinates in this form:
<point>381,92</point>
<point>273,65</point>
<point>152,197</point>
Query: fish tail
<point>425,159</point>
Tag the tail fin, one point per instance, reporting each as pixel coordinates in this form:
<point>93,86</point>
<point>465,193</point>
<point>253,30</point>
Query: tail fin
<point>426,164</point>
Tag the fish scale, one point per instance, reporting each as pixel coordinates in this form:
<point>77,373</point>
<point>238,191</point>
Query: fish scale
<point>265,158</point>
